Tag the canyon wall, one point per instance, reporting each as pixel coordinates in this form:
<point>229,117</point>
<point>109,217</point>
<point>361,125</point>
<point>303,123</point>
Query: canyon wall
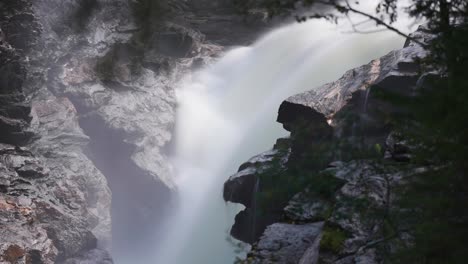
<point>88,110</point>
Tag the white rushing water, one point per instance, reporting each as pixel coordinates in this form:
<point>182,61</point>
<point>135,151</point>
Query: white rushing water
<point>227,113</point>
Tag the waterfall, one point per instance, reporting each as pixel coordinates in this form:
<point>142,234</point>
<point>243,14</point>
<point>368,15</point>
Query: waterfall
<point>227,113</point>
<point>254,208</point>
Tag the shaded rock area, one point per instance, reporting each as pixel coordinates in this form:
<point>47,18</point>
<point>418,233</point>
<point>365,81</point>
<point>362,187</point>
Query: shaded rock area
<point>87,106</point>
<point>339,171</point>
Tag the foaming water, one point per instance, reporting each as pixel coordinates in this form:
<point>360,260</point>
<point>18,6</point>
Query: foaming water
<point>227,113</point>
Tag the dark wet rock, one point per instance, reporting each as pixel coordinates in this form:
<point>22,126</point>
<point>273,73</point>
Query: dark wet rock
<point>244,186</point>
<point>243,180</point>
<point>246,226</point>
<point>290,112</point>
<point>248,172</point>
<point>246,178</point>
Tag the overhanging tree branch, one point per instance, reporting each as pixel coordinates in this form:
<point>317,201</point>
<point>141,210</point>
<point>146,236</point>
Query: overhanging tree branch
<point>348,8</point>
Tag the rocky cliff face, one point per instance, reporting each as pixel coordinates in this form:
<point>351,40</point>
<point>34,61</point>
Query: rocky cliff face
<point>87,107</point>
<point>324,194</point>
<point>54,202</point>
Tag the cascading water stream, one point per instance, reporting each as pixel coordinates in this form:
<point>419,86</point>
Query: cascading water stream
<point>227,113</point>
<point>254,207</point>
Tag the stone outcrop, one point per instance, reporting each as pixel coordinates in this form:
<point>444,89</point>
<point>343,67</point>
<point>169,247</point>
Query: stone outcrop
<point>343,163</point>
